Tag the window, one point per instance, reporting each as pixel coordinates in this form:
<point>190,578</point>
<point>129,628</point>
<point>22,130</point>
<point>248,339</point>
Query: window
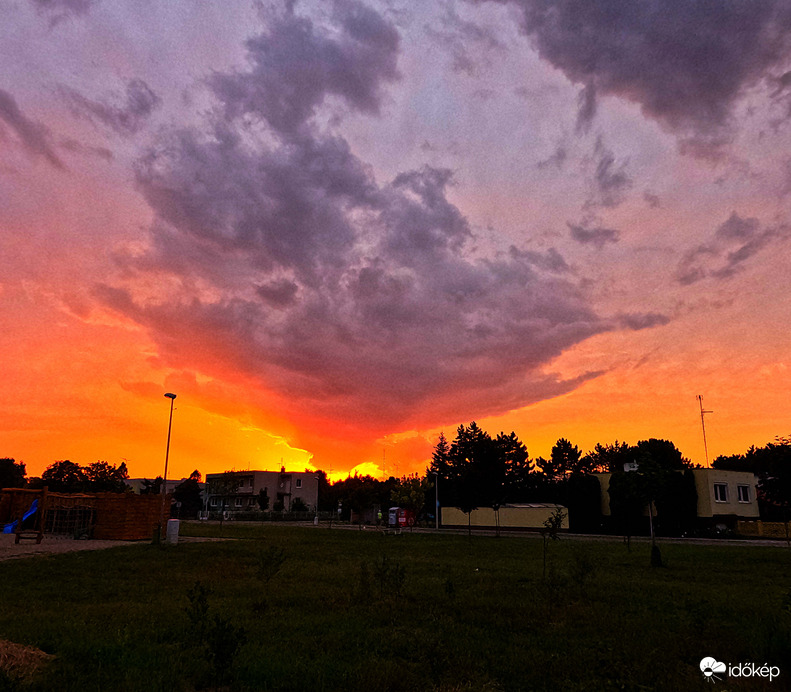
<point>299,482</point>
<point>238,501</point>
<point>720,492</point>
<point>213,502</point>
<point>744,493</point>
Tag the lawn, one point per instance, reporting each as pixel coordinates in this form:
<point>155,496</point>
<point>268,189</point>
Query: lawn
<point>289,608</point>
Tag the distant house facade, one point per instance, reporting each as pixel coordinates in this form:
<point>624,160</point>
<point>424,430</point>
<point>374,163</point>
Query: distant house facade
<point>724,497</point>
<point>136,485</point>
<point>239,491</point>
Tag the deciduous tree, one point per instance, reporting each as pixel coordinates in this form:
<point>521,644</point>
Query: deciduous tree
<point>64,477</point>
<point>189,496</point>
<point>101,477</point>
<point>12,473</point>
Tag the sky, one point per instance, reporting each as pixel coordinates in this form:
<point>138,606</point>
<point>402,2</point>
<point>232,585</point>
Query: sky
<point>335,229</point>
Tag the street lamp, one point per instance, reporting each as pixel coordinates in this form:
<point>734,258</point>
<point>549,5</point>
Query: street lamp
<point>318,485</point>
<point>172,398</point>
<point>436,499</point>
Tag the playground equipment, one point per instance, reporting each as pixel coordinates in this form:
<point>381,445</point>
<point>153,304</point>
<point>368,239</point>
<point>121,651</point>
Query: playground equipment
<point>25,524</point>
<point>11,528</point>
<point>30,513</point>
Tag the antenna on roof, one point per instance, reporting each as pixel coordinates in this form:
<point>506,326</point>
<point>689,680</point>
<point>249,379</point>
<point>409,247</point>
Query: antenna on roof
<point>703,425</point>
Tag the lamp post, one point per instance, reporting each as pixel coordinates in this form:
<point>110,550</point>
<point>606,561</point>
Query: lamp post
<point>436,500</point>
<point>172,398</point>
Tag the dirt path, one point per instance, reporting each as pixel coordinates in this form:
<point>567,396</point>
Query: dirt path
<point>51,545</point>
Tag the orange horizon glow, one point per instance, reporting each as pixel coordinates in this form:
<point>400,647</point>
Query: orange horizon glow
<point>329,265</point>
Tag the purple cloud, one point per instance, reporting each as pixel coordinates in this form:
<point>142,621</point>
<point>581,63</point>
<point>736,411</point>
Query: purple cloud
<point>734,241</point>
<point>685,62</point>
<point>457,35</point>
<point>125,119</point>
<point>596,236</point>
<point>295,65</point>
<point>350,298</point>
<point>61,10</point>
<point>611,182</point>
<point>33,136</point>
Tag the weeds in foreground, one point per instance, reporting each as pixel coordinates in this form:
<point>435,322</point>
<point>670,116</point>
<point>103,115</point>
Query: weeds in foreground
<point>270,561</point>
<point>436,613</point>
<point>216,636</point>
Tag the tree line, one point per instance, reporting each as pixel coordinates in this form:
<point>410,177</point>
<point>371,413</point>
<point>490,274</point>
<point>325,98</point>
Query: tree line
<point>99,477</point>
<point>476,469</point>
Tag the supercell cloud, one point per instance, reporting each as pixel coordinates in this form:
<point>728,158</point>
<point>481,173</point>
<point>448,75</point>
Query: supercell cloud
<point>347,296</point>
<point>338,225</point>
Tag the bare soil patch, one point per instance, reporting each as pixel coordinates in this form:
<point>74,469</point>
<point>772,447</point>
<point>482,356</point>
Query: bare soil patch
<point>53,545</point>
<point>21,662</point>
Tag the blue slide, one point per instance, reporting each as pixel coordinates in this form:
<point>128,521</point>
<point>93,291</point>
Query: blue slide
<point>10,528</point>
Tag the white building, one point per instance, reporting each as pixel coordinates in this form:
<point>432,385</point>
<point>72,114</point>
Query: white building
<point>239,491</point>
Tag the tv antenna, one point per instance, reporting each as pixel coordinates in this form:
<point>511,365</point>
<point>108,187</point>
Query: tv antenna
<point>703,425</point>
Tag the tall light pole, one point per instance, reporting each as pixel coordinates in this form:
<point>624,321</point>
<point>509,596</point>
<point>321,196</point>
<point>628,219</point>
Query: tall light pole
<point>436,500</point>
<point>172,398</point>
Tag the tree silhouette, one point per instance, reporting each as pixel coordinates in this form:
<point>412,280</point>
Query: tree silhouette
<point>563,460</point>
<point>12,473</point>
<point>101,477</point>
<point>188,494</point>
<point>607,458</point>
<point>64,477</point>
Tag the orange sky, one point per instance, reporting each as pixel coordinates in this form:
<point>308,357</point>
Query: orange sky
<point>461,216</point>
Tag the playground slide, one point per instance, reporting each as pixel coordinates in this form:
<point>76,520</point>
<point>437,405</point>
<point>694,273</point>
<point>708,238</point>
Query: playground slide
<point>10,528</point>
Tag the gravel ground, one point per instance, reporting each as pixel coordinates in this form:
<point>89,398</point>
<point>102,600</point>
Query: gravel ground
<point>51,544</point>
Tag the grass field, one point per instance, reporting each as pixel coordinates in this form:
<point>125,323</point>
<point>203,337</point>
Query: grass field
<point>284,608</point>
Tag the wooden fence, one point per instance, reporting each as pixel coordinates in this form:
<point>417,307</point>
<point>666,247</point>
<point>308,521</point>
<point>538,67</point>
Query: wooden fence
<point>114,516</point>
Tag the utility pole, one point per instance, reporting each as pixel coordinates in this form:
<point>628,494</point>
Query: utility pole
<point>703,425</point>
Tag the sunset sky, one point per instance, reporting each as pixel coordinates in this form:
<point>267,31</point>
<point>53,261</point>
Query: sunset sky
<point>335,229</point>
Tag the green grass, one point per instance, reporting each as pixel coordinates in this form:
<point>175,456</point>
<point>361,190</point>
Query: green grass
<point>469,614</point>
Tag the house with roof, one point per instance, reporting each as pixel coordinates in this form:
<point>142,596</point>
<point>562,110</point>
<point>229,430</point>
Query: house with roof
<point>723,497</point>
<point>239,491</point>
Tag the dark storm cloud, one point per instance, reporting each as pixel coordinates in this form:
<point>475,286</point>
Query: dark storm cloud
<point>33,136</point>
<point>126,119</point>
<point>77,147</point>
<point>62,10</point>
<point>734,242</point>
<point>652,200</point>
<point>551,260</point>
<point>295,65</point>
<point>685,62</point>
<point>557,159</point>
<point>282,209</point>
<point>350,298</point>
<point>611,182</point>
<point>65,6</point>
<point>596,235</point>
<point>637,321</point>
<point>457,36</point>
<point>586,107</point>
